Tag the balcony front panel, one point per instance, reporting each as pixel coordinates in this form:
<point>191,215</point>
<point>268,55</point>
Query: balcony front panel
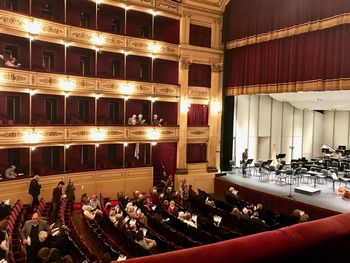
<point>49,81</point>
<point>197,134</point>
<point>55,32</point>
<point>48,135</point>
<point>198,92</point>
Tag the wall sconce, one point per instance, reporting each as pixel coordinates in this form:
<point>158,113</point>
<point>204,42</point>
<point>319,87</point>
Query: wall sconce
<point>215,107</point>
<point>32,27</point>
<point>32,136</point>
<point>67,146</point>
<point>153,99</point>
<point>126,88</point>
<point>66,44</point>
<point>66,84</point>
<point>154,143</point>
<point>126,98</point>
<point>98,135</point>
<point>153,134</point>
<point>98,1</point>
<point>33,148</point>
<point>185,105</point>
<point>154,48</point>
<point>125,144</point>
<point>154,13</point>
<point>98,40</point>
<point>97,96</point>
<point>97,145</point>
<point>32,92</point>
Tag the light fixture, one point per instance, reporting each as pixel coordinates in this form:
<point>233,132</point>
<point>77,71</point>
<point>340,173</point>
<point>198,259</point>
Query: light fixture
<point>154,48</point>
<point>66,94</point>
<point>98,40</point>
<point>215,107</point>
<point>126,53</point>
<point>33,148</point>
<point>125,144</point>
<point>153,12</point>
<point>97,145</point>
<point>67,146</point>
<point>126,7</point>
<point>153,134</point>
<point>153,99</point>
<point>126,88</point>
<point>154,143</point>
<point>32,136</point>
<point>185,105</point>
<point>66,84</point>
<point>32,92</point>
<point>32,27</point>
<point>98,1</point>
<point>98,135</point>
<point>97,96</point>
<point>126,98</point>
<point>66,44</point>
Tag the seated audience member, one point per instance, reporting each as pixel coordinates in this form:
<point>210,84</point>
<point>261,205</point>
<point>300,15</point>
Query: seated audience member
<point>4,240</point>
<point>132,120</point>
<point>171,207</point>
<point>210,202</point>
<point>140,120</point>
<point>2,61</point>
<point>91,213</point>
<point>231,195</point>
<point>95,203</point>
<point>236,212</point>
<point>156,121</point>
<point>137,215</point>
<point>298,216</point>
<point>169,193</point>
<point>146,243</point>
<point>85,200</point>
<point>188,220</point>
<point>106,258</point>
<point>12,62</point>
<point>10,172</point>
<point>181,216</point>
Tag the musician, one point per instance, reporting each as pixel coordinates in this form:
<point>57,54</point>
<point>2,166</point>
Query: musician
<point>244,160</point>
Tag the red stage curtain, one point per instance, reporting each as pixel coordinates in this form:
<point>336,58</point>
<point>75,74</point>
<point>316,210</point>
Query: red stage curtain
<point>318,55</point>
<point>253,17</point>
<point>196,152</point>
<point>197,115</point>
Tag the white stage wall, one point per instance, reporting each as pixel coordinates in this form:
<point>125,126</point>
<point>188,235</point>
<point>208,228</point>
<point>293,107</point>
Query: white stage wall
<point>267,127</point>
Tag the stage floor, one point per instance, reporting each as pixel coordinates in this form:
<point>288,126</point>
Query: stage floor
<point>325,199</point>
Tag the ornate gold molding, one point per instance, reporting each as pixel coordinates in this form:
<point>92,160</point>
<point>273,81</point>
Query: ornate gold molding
<point>198,92</point>
<point>329,22</point>
<point>185,63</point>
<point>216,66</point>
<point>14,135</point>
<point>56,33</point>
<point>310,85</point>
<point>48,81</point>
<point>198,134</point>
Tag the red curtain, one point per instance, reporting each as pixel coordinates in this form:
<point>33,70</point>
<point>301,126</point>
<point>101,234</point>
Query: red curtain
<point>196,152</point>
<point>199,75</point>
<point>38,47</point>
<point>197,115</point>
<point>164,155</point>
<point>316,55</point>
<point>76,7</point>
<point>22,6</point>
<point>167,111</point>
<point>166,29</point>
<point>165,71</point>
<point>106,14</point>
<point>252,17</point>
<point>136,21</point>
<point>57,9</point>
<point>200,35</point>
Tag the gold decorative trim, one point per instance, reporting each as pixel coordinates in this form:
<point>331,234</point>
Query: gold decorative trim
<point>299,86</point>
<point>294,30</point>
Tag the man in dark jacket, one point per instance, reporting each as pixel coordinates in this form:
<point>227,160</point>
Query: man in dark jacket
<point>56,200</point>
<point>34,190</point>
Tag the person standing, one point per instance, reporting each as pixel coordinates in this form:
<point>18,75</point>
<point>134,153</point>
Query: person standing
<point>244,160</point>
<point>70,195</point>
<point>56,199</point>
<point>30,236</point>
<point>34,190</point>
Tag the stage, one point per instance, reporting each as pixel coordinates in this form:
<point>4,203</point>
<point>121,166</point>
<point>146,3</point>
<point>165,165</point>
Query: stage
<point>274,195</point>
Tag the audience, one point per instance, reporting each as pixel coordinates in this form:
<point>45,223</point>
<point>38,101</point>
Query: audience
<point>140,120</point>
<point>4,240</point>
<point>132,120</point>
<point>144,242</point>
<point>12,63</point>
<point>2,61</point>
<point>10,172</point>
<point>156,121</point>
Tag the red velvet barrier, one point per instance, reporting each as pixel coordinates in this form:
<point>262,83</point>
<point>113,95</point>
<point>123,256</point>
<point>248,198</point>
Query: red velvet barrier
<point>316,55</point>
<point>307,242</point>
<point>252,17</point>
